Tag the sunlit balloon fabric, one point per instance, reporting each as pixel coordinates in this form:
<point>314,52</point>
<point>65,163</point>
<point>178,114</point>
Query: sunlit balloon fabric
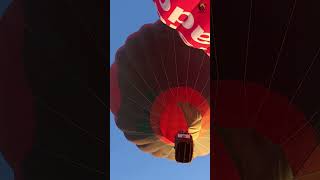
<point>190,18</point>
<point>154,78</point>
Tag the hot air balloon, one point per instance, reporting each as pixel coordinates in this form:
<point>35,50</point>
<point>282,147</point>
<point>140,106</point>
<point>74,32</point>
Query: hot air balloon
<point>52,89</point>
<point>279,130</point>
<point>266,90</point>
<point>65,64</point>
<point>16,104</point>
<point>190,18</point>
<point>160,88</point>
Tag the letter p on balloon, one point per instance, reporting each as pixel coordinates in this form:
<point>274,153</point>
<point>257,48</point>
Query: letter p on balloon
<point>190,18</point>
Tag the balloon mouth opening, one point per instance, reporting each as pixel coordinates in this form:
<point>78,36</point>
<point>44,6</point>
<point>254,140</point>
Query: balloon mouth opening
<point>167,118</point>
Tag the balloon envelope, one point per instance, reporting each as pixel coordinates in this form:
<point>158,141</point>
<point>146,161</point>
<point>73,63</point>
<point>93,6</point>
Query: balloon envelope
<point>41,93</point>
<point>266,82</point>
<point>154,72</point>
<point>16,104</point>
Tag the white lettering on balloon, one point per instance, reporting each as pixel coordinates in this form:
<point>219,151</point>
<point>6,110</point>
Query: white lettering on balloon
<point>173,26</point>
<point>200,36</point>
<point>177,13</point>
<point>181,17</point>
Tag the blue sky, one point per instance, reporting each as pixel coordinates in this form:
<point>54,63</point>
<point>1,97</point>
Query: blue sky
<point>5,171</point>
<point>127,161</point>
<point>3,5</point>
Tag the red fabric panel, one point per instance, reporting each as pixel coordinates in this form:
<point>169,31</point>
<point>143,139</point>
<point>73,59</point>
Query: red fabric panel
<point>221,163</point>
<point>114,90</point>
<point>278,120</point>
<point>168,116</point>
<point>192,22</point>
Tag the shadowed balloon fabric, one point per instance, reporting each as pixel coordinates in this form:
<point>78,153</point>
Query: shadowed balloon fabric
<point>16,103</point>
<point>52,89</point>
<point>266,90</point>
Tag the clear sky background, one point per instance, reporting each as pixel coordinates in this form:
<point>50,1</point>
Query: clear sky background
<point>6,172</point>
<point>3,6</point>
<point>127,161</point>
